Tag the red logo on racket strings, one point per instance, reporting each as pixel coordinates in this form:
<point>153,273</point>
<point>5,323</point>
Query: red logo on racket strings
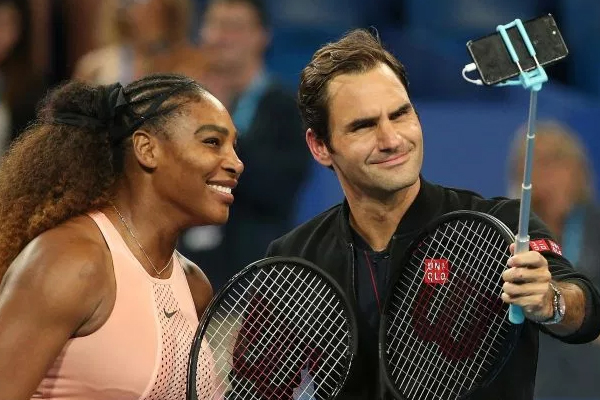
<point>437,271</point>
<point>274,366</point>
<point>455,344</point>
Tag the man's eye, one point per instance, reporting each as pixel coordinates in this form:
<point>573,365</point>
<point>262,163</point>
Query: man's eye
<point>363,125</point>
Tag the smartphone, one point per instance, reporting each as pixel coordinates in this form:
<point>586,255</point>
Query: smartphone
<point>493,61</point>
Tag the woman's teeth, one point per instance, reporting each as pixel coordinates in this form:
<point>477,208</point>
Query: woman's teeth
<point>222,189</point>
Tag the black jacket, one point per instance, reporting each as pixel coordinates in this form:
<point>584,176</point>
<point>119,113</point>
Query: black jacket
<point>326,240</point>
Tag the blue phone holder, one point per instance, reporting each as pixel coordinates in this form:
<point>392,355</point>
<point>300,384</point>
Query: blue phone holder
<point>533,79</point>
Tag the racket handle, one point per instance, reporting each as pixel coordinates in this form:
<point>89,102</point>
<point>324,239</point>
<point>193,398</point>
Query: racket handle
<point>515,314</point>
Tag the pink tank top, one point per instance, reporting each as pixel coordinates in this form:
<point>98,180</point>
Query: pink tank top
<point>142,350</point>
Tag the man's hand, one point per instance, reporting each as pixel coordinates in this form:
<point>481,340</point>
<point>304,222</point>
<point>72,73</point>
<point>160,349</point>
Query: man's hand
<point>527,284</point>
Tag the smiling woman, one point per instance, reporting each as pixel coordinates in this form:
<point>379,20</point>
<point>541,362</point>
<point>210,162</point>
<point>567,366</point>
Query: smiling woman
<point>94,197</point>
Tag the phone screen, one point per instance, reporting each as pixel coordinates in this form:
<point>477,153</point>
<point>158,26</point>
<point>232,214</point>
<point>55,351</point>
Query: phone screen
<point>493,60</point>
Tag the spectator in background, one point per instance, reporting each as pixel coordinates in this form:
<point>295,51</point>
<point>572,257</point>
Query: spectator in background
<point>234,36</point>
<point>142,37</point>
<point>21,87</point>
<point>562,196</point>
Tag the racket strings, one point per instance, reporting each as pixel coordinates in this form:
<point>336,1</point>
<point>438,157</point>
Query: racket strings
<point>462,287</point>
<point>283,340</point>
<point>436,374</point>
<point>291,315</point>
<point>232,302</point>
<point>458,323</point>
<point>473,311</point>
<point>275,334</point>
<point>294,317</point>
<point>420,369</point>
<point>413,287</point>
<point>253,335</point>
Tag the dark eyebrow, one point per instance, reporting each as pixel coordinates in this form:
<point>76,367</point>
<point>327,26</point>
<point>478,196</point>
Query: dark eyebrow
<point>402,110</point>
<point>213,128</point>
<point>361,122</point>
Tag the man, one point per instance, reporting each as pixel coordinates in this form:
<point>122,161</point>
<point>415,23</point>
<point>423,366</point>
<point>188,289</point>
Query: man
<point>573,216</point>
<point>361,123</point>
<point>234,38</point>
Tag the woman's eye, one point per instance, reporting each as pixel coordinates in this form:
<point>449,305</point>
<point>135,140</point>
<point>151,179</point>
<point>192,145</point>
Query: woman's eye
<point>213,141</point>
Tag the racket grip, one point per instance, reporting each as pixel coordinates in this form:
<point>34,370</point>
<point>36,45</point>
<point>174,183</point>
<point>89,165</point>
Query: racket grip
<point>515,314</point>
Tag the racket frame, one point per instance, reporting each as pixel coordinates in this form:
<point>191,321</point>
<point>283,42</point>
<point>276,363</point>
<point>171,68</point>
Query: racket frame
<point>514,329</point>
<point>267,262</point>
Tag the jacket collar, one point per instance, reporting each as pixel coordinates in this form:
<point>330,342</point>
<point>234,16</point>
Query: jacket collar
<point>426,206</point>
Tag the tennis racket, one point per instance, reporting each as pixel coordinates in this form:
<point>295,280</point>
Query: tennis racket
<point>445,330</point>
<point>281,329</point>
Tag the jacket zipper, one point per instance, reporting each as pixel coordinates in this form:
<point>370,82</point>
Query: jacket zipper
<point>351,257</point>
<point>389,275</point>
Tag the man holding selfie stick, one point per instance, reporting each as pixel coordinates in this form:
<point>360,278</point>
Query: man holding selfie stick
<point>362,124</point>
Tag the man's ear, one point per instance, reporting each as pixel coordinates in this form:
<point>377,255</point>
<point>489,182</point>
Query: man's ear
<point>145,148</point>
<point>317,147</point>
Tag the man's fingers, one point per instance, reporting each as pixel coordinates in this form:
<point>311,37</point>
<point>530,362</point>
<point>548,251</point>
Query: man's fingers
<point>529,259</point>
<point>526,275</point>
<point>518,292</point>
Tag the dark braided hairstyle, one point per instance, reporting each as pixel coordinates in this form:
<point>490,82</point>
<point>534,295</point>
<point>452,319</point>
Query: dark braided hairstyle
<point>68,161</point>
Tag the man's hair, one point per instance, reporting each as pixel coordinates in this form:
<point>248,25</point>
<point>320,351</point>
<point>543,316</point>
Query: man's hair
<point>68,162</point>
<point>259,7</point>
<point>357,52</point>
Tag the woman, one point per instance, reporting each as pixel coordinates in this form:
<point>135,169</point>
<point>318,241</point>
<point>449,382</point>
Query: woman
<point>95,303</point>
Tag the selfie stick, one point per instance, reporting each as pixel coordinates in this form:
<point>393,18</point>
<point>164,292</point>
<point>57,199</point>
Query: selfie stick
<point>531,80</point>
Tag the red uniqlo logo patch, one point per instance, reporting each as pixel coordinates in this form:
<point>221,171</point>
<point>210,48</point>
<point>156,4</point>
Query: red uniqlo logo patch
<point>539,245</point>
<point>555,247</point>
<point>436,271</point>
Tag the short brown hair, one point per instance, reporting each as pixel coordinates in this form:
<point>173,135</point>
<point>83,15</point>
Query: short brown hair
<point>356,52</point>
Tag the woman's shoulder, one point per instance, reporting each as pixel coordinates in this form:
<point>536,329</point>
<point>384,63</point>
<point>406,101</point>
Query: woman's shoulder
<point>79,235</point>
<point>73,250</point>
<point>66,266</point>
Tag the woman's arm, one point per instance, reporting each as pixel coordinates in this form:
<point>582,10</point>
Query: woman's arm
<point>50,293</point>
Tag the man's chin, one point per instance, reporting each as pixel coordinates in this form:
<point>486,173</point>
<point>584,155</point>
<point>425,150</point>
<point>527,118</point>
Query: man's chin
<point>402,184</point>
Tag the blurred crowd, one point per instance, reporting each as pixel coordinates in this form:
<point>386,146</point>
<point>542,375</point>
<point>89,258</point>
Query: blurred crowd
<point>223,45</point>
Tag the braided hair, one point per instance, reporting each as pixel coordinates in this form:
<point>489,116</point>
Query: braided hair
<point>68,161</point>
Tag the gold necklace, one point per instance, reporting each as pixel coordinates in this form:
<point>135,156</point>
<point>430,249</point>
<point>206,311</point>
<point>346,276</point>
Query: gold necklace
<point>158,273</point>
